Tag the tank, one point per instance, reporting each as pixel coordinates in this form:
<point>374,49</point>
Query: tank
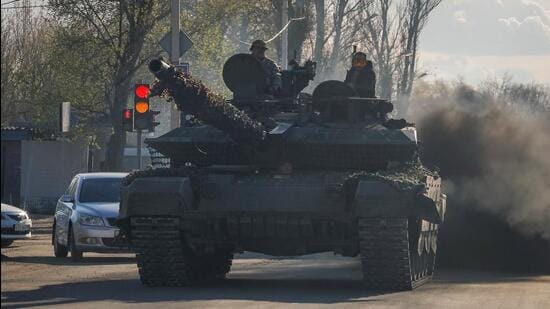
<point>289,175</point>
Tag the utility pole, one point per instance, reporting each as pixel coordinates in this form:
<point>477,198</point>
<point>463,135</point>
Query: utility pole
<point>138,148</point>
<point>284,40</point>
<point>175,22</point>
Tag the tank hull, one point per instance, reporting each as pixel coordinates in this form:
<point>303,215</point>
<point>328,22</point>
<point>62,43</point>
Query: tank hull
<point>282,215</point>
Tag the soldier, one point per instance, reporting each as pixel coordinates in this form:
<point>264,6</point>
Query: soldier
<point>273,74</point>
<point>361,76</point>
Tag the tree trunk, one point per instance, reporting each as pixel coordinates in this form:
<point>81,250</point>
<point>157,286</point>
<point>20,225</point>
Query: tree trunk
<point>297,30</point>
<point>385,65</point>
<point>277,21</point>
<point>407,78</point>
<point>319,30</point>
<point>338,21</point>
<point>115,147</point>
<point>243,33</point>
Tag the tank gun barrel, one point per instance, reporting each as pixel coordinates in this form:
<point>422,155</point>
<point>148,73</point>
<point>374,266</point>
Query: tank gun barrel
<point>193,97</point>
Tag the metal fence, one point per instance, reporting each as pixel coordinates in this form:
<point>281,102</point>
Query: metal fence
<point>41,205</point>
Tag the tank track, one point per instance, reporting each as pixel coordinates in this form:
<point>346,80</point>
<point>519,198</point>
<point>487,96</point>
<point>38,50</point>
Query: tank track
<point>388,261</point>
<point>164,259</point>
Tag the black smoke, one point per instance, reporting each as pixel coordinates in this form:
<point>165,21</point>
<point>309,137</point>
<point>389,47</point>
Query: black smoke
<point>495,159</point>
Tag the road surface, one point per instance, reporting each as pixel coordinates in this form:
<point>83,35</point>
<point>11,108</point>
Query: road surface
<point>32,277</point>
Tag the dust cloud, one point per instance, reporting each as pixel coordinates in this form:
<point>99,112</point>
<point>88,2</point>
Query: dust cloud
<point>495,158</point>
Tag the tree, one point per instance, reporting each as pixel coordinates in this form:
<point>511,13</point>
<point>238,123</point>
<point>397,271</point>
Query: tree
<point>338,20</point>
<point>298,29</point>
<point>25,69</point>
<point>121,28</point>
<point>417,12</point>
<point>319,30</point>
<point>382,34</point>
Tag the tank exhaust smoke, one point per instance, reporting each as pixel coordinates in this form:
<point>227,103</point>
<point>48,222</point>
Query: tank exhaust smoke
<point>495,158</point>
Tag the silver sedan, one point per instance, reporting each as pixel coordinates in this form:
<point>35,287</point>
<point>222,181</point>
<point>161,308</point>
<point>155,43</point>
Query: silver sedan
<point>85,215</point>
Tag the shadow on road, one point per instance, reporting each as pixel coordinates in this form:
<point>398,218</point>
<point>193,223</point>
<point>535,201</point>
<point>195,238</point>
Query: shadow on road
<point>447,277</point>
<point>51,260</point>
<point>131,291</point>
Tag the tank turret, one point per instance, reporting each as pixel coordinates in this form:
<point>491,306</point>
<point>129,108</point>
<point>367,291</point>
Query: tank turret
<point>331,129</point>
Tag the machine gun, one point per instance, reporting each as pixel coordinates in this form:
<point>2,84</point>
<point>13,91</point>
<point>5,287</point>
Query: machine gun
<point>297,77</point>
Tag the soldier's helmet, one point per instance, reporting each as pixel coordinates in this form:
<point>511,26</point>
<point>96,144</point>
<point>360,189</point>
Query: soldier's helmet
<point>258,44</point>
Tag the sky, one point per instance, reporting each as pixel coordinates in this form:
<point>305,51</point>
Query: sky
<point>479,39</point>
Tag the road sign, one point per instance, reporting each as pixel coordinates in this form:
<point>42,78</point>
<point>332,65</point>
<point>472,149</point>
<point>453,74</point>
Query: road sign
<point>185,43</point>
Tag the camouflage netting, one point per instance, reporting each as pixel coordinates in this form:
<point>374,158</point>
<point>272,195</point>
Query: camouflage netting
<point>408,176</point>
<point>195,98</point>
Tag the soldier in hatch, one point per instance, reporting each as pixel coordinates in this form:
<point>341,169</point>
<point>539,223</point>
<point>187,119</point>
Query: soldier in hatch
<point>361,76</point>
<point>273,75</point>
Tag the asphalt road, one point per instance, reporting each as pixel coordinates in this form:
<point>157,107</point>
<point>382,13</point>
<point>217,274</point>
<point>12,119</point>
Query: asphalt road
<point>32,277</point>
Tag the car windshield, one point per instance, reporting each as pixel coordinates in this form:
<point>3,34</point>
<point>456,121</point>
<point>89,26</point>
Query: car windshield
<point>100,190</point>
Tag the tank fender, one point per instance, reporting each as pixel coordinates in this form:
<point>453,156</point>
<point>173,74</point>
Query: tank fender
<point>426,209</point>
<point>156,196</point>
<point>374,198</point>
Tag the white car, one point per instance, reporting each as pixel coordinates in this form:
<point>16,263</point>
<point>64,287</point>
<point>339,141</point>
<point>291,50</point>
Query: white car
<point>85,215</point>
<point>16,224</point>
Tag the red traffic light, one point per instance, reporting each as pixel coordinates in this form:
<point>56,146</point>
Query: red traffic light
<point>142,91</point>
<point>127,113</point>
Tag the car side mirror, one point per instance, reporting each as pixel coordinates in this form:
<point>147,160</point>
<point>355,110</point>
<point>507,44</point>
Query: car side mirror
<point>66,198</point>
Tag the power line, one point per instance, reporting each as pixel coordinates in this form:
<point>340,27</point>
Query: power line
<point>278,33</point>
<point>25,7</point>
<point>9,2</point>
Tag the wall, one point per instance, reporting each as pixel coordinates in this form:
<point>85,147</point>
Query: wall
<point>11,163</point>
<point>47,167</point>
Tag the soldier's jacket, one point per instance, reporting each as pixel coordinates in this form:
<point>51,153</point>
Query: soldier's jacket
<point>363,81</point>
<point>273,75</point>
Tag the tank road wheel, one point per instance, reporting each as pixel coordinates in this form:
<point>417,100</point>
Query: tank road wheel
<point>422,246</point>
<point>390,256</point>
<point>164,259</point>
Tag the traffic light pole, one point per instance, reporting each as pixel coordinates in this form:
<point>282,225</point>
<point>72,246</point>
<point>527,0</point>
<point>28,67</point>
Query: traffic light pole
<point>284,39</point>
<point>138,149</point>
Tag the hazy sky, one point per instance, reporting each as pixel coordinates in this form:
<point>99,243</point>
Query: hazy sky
<point>477,39</point>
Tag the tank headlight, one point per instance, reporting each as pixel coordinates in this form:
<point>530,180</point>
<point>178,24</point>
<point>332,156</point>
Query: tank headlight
<point>85,219</point>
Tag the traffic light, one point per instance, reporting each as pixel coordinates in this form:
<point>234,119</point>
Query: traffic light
<point>152,122</point>
<point>142,115</point>
<point>128,119</point>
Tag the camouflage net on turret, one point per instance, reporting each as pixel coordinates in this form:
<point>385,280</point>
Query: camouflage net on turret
<point>193,97</point>
<point>409,176</point>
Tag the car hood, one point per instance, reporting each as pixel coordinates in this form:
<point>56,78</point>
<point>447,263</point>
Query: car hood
<point>11,209</point>
<point>107,210</point>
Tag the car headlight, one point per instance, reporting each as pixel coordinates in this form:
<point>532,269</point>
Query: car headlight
<point>90,220</point>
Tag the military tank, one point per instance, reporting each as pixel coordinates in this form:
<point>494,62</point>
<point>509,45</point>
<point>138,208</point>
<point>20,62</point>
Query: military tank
<point>284,176</point>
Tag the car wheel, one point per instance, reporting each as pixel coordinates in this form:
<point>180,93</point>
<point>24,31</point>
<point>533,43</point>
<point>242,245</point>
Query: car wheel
<point>59,250</point>
<point>76,255</point>
<point>6,243</point>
